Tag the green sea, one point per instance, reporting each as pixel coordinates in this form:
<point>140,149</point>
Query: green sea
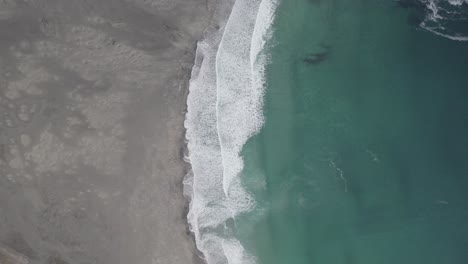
<point>363,157</point>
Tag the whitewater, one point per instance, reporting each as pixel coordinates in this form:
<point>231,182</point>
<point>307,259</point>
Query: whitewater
<point>224,106</point>
<point>443,15</point>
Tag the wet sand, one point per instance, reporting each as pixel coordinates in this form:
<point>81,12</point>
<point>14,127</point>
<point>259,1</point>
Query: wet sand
<point>92,104</point>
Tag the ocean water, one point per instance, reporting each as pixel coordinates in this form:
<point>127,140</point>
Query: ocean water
<point>331,132</point>
<point>363,157</point>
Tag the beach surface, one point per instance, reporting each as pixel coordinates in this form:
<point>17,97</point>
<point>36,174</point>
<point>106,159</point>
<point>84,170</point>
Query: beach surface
<point>92,105</point>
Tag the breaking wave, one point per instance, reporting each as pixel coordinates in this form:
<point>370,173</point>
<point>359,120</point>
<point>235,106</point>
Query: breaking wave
<point>446,18</point>
<point>224,110</point>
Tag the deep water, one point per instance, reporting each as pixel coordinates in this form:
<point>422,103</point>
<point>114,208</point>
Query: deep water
<point>363,158</point>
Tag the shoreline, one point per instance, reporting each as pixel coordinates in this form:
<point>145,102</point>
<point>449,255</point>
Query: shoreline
<point>216,23</point>
<point>187,169</point>
<point>226,87</point>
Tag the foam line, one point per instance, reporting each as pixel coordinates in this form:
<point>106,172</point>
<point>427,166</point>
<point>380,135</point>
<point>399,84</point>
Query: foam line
<point>224,110</point>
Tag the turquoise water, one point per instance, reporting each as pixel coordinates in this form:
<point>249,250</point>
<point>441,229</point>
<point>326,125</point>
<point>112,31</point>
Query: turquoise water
<point>363,158</point>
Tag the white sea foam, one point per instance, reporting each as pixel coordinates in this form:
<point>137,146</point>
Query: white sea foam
<point>456,2</point>
<point>452,37</point>
<point>440,14</point>
<point>224,110</point>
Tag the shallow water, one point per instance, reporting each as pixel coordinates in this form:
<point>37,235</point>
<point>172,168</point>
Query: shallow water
<point>363,155</point>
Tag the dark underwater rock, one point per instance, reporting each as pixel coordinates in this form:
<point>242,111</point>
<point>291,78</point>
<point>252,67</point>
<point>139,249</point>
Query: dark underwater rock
<point>318,57</point>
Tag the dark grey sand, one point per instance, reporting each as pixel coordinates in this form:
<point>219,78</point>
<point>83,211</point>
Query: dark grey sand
<point>92,101</point>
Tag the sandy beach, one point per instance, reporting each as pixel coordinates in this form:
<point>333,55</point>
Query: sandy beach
<point>92,104</point>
